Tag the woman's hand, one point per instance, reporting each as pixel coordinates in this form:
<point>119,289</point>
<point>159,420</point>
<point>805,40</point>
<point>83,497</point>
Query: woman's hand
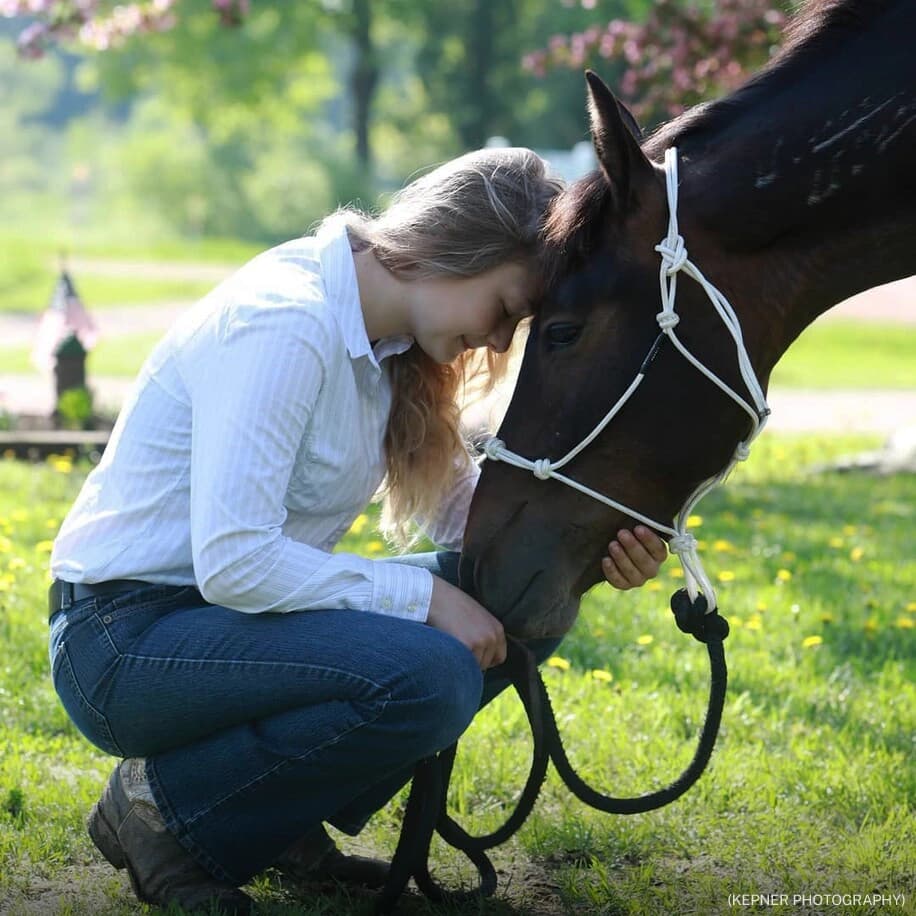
<point>634,558</point>
<point>459,615</point>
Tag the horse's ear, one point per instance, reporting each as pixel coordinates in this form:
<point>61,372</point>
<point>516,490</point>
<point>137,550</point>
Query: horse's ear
<point>616,136</point>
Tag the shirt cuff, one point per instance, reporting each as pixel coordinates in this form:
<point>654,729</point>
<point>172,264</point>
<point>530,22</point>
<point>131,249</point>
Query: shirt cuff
<point>399,590</point>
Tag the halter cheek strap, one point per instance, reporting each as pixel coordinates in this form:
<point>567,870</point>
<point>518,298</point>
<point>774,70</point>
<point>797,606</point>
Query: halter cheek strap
<point>674,260</point>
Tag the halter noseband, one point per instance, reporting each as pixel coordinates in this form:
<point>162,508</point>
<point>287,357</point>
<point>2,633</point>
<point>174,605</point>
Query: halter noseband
<point>674,259</point>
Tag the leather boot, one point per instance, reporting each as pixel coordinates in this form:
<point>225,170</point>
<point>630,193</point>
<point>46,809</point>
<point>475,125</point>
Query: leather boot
<point>129,831</point>
<point>315,857</point>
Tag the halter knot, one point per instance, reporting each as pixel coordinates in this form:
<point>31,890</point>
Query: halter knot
<point>667,320</point>
<point>692,617</point>
<point>674,256</point>
<point>541,468</point>
<point>742,451</point>
<point>682,543</point>
<point>492,448</point>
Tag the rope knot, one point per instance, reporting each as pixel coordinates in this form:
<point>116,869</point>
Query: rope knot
<point>682,543</point>
<point>493,447</point>
<point>541,468</point>
<point>742,451</point>
<point>692,617</point>
<point>674,256</point>
<point>667,320</point>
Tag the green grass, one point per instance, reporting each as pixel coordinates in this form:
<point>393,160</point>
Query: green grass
<point>850,354</point>
<point>29,268</point>
<point>810,789</point>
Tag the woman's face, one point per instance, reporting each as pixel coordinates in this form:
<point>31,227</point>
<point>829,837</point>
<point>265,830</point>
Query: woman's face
<point>452,314</point>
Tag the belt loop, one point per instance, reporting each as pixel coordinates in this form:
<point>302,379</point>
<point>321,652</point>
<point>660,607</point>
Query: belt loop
<point>65,595</point>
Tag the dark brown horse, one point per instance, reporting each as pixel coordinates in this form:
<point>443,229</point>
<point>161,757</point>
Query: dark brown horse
<point>796,192</point>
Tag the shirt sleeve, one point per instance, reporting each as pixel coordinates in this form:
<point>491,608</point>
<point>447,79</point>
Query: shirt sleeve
<point>256,386</point>
<point>446,529</point>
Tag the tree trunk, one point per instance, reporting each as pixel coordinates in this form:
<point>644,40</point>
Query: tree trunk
<point>476,129</point>
<point>364,79</point>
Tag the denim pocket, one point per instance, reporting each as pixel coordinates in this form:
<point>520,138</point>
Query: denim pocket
<point>124,618</point>
<point>87,718</point>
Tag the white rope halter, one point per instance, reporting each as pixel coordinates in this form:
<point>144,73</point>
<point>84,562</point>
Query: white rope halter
<point>673,260</point>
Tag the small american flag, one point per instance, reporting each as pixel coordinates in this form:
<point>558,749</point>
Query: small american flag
<point>66,316</point>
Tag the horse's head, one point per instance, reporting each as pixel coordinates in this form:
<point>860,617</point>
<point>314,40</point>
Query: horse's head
<point>533,547</point>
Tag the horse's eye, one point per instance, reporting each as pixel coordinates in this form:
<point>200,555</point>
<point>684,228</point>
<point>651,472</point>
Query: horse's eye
<point>562,334</point>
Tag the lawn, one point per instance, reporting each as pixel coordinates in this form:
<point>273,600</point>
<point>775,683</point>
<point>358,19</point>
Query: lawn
<point>810,791</point>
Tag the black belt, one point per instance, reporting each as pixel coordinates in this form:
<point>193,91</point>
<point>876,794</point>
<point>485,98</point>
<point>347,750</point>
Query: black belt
<point>63,594</point>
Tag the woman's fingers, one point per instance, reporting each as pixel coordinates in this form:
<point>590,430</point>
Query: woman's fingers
<point>634,557</point>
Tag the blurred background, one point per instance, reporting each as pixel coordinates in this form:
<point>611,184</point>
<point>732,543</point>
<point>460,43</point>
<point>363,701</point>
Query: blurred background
<point>150,148</point>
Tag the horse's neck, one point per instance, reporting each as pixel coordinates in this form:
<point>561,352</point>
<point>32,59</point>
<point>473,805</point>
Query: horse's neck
<point>812,192</point>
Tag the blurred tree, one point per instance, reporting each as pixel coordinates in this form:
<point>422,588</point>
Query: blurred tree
<point>678,55</point>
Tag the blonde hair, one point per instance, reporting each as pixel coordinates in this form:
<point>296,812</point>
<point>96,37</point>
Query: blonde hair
<point>472,214</point>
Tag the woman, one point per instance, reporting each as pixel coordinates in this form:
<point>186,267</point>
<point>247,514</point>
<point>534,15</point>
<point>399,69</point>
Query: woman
<point>257,684</point>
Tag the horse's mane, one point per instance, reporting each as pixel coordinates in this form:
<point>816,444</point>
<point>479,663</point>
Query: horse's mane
<point>818,28</point>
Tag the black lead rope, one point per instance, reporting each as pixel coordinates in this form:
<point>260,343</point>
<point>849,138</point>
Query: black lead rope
<point>426,805</point>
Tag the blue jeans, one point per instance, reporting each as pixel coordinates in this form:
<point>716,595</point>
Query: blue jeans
<point>258,727</point>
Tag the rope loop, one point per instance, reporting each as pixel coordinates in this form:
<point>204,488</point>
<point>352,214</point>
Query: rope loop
<point>674,256</point>
<point>492,448</point>
<point>541,468</point>
<point>667,320</point>
<point>692,617</point>
<point>742,451</point>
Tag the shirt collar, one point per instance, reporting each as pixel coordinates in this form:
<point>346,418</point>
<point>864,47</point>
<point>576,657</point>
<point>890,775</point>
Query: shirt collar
<point>338,272</point>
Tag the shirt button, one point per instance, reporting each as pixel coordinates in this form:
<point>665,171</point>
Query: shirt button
<point>412,608</point>
<point>386,603</point>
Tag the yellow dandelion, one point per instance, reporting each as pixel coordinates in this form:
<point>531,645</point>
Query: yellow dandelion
<point>870,625</point>
<point>754,623</point>
<point>911,607</point>
<point>16,563</point>
<point>726,576</point>
<point>375,546</point>
<point>735,622</point>
<point>849,530</point>
<point>810,641</point>
<point>599,674</point>
<point>358,524</point>
<point>694,521</point>
<point>654,586</point>
<point>44,546</point>
<point>784,575</point>
<point>645,640</point>
<point>52,523</point>
<point>19,515</point>
<point>826,618</point>
<point>856,554</point>
<point>905,623</point>
<point>61,464</point>
<point>762,606</point>
<point>677,572</point>
<point>556,662</point>
<point>723,546</point>
<point>836,542</point>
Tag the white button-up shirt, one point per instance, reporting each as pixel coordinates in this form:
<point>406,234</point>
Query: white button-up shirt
<point>251,440</point>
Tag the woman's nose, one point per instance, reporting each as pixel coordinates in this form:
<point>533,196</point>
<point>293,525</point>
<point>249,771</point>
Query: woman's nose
<point>500,339</point>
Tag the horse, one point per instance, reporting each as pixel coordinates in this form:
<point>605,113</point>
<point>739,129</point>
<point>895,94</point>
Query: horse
<point>793,193</point>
